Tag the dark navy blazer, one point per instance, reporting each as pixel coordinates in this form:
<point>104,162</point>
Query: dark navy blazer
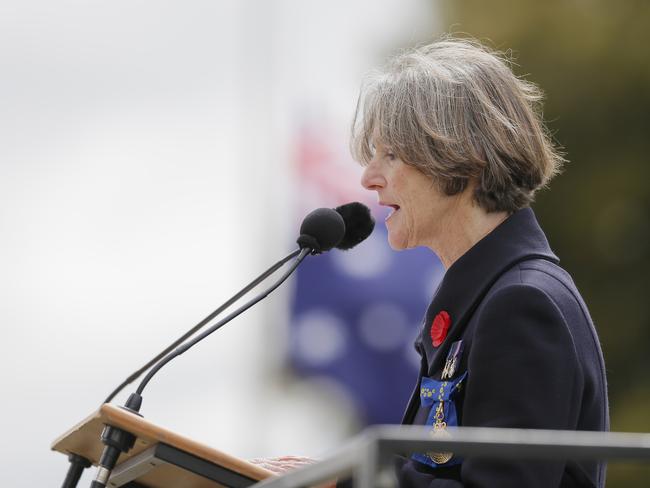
<point>531,354</point>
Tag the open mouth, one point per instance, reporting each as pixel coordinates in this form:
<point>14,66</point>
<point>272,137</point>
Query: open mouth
<point>395,209</point>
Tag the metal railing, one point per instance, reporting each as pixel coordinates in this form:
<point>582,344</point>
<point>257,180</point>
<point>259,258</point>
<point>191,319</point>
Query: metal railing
<point>367,458</point>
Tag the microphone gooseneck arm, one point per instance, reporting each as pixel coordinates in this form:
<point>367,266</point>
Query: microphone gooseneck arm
<point>302,254</point>
<point>319,231</point>
<point>134,376</point>
<point>117,440</point>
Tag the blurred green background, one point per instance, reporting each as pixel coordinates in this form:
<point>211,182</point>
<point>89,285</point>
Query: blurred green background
<point>591,59</point>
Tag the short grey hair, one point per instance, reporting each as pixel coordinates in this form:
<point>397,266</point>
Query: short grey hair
<point>454,110</point>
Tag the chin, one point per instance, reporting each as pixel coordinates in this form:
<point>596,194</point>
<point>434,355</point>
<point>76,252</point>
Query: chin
<point>397,243</point>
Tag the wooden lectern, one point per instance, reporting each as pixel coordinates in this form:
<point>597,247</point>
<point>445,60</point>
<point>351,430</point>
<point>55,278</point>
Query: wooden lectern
<point>160,458</point>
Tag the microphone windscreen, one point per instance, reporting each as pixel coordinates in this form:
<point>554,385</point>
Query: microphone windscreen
<point>321,230</point>
<point>358,224</point>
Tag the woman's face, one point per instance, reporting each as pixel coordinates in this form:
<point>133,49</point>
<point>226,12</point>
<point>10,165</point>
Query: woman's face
<point>421,212</point>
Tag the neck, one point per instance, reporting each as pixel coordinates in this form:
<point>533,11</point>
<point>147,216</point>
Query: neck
<point>464,227</point>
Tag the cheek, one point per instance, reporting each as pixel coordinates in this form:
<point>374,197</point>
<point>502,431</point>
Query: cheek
<point>414,226</point>
<point>402,230</point>
<point>414,209</point>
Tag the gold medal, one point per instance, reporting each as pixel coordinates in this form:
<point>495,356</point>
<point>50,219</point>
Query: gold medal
<point>440,429</point>
<point>440,457</point>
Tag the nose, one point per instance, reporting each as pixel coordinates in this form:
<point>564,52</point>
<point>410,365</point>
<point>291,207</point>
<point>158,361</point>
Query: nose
<point>372,177</point>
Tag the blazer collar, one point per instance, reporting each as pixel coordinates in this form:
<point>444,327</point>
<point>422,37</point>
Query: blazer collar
<point>467,280</point>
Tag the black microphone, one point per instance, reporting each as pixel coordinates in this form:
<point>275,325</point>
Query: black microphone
<point>359,224</point>
<point>321,230</point>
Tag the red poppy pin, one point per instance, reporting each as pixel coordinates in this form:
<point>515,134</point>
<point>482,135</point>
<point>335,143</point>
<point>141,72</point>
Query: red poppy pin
<point>439,328</point>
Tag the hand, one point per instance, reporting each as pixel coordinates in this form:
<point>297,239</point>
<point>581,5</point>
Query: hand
<point>283,464</point>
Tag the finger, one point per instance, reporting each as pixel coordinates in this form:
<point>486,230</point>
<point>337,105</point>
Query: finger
<point>300,458</point>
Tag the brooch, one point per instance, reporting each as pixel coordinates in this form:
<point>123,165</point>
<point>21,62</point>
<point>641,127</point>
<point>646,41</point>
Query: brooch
<point>439,328</point>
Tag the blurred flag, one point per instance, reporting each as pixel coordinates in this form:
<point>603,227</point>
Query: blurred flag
<point>355,314</point>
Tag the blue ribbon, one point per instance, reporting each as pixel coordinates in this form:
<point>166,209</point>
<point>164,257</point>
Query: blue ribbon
<point>431,393</point>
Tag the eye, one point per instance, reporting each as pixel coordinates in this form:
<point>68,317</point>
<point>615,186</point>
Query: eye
<point>390,155</point>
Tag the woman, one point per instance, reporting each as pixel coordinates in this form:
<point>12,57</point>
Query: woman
<point>454,143</point>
